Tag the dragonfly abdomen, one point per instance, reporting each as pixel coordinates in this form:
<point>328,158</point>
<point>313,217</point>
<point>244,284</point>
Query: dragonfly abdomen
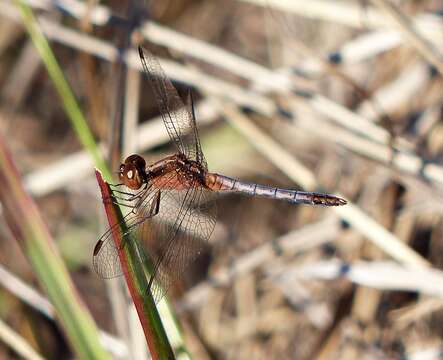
<point>224,183</point>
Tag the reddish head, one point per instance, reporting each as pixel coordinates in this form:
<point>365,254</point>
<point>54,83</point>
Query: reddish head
<point>132,172</point>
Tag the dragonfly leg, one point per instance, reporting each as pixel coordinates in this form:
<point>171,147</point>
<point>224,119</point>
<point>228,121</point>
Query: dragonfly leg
<point>114,200</point>
<point>131,197</point>
<point>142,195</point>
<point>125,205</point>
<point>125,192</point>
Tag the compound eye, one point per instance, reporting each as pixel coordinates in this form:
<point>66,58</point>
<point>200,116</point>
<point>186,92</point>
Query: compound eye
<point>136,160</point>
<point>131,177</point>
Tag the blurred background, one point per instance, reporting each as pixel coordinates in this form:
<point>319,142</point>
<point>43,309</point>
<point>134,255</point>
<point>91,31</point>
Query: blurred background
<point>343,97</point>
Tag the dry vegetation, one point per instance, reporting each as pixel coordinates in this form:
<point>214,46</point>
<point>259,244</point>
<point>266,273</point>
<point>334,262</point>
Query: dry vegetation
<point>340,96</point>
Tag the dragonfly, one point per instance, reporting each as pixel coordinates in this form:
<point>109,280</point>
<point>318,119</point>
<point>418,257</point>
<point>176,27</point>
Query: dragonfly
<point>172,201</point>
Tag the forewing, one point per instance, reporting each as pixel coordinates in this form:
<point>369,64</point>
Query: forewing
<point>200,158</point>
<point>171,239</point>
<point>105,259</point>
<point>179,120</point>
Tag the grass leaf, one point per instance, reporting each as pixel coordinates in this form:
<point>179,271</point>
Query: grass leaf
<point>135,274</point>
<point>30,231</point>
<point>70,104</point>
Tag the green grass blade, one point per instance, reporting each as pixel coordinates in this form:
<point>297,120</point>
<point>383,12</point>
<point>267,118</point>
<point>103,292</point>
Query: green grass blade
<point>134,269</point>
<point>70,104</point>
<point>29,229</point>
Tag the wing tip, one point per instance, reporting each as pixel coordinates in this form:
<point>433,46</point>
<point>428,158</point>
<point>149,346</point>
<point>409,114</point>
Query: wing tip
<point>140,52</point>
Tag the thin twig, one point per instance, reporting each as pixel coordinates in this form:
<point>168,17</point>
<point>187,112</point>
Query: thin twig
<point>425,47</point>
<point>33,298</point>
<point>307,237</point>
<point>17,343</point>
<point>240,96</point>
<point>376,274</point>
<point>351,213</point>
<point>352,14</point>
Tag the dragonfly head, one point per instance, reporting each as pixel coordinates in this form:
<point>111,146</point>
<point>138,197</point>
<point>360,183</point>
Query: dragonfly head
<point>132,172</point>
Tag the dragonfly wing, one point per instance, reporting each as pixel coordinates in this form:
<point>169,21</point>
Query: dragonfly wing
<point>171,238</point>
<point>179,119</point>
<point>180,230</point>
<point>105,259</point>
<point>200,158</point>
